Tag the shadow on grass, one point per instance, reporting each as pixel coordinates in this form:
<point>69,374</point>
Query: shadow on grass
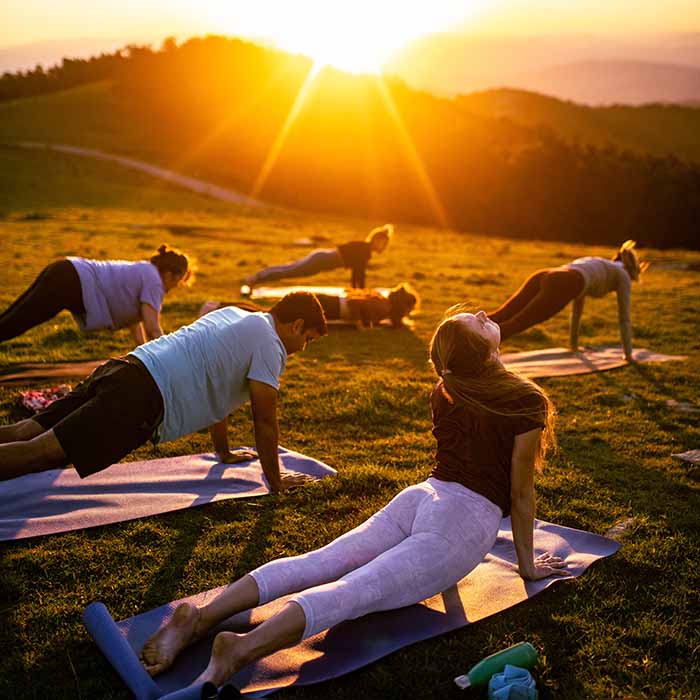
<point>650,492</point>
<point>258,539</point>
<point>377,344</point>
<point>668,420</point>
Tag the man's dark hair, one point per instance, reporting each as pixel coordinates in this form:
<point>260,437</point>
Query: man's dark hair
<point>303,305</point>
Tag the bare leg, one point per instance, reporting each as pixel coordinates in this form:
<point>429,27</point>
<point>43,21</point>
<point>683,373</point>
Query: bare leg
<point>24,430</point>
<point>190,623</point>
<point>28,456</point>
<point>231,652</point>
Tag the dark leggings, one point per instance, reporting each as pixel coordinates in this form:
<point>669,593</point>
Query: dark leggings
<point>544,294</point>
<point>317,261</point>
<point>56,288</point>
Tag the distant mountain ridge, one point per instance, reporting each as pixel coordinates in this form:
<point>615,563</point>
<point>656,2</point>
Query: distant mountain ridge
<point>589,70</point>
<point>615,82</point>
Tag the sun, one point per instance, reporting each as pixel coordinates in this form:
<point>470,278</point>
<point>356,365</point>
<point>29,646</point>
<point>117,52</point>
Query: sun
<point>356,36</point>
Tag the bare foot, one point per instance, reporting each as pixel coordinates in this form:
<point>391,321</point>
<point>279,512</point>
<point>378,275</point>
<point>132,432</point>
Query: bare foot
<point>160,650</point>
<point>227,657</point>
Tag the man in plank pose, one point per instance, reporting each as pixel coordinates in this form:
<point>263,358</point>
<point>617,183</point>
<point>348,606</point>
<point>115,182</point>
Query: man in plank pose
<point>170,387</point>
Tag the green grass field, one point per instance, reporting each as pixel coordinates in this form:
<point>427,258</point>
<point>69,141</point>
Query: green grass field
<point>359,401</point>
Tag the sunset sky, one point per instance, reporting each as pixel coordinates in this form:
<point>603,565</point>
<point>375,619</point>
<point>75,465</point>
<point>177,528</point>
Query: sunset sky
<point>355,35</point>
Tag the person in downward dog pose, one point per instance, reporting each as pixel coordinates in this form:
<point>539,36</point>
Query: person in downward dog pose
<point>492,428</point>
<point>354,254</point>
<point>546,292</point>
<point>101,294</point>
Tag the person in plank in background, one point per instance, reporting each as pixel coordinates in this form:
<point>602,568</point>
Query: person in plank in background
<point>363,307</point>
<point>172,386</point>
<point>492,428</point>
<point>354,255</point>
<point>546,292</point>
<point>101,294</point>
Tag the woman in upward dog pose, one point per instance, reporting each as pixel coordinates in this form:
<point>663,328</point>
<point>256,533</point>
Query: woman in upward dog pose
<point>492,428</point>
<point>546,292</point>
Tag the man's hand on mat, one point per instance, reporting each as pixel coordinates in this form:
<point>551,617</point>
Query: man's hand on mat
<point>236,456</point>
<point>547,565</point>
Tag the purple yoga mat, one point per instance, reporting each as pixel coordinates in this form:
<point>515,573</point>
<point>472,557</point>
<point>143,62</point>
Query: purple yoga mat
<point>493,586</point>
<point>58,500</point>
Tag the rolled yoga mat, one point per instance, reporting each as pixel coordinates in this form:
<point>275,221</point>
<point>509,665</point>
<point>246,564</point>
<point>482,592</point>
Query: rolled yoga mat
<point>58,500</point>
<point>560,362</point>
<point>40,371</point>
<point>492,587</point>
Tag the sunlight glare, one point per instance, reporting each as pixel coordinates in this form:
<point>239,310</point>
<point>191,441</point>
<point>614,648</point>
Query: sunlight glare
<point>355,36</point>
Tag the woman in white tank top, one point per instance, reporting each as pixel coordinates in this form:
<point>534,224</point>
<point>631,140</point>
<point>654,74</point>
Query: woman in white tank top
<point>546,292</point>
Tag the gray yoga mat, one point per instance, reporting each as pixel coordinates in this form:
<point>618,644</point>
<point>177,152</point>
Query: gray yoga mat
<point>39,371</point>
<point>493,586</point>
<point>691,456</point>
<point>58,500</point>
<point>560,362</point>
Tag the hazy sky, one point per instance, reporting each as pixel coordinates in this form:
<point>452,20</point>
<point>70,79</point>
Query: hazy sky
<point>335,29</point>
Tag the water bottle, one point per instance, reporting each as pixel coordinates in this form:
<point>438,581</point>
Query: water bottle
<point>522,654</point>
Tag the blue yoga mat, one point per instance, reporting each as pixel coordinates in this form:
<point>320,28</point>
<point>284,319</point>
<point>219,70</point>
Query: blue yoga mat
<point>493,586</point>
<point>58,500</point>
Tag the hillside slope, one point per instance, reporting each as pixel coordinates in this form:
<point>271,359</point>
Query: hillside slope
<point>660,130</point>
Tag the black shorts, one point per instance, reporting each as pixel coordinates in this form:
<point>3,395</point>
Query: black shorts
<point>109,414</point>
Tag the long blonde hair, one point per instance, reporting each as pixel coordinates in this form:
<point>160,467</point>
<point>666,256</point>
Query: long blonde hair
<point>471,378</point>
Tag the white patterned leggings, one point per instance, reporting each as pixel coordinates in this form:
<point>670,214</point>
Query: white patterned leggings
<point>424,541</point>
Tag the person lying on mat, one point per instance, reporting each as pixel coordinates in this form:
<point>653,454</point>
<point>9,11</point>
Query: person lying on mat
<point>364,307</point>
<point>354,254</point>
<point>101,294</point>
<point>170,387</point>
<point>546,292</point>
<point>492,429</point>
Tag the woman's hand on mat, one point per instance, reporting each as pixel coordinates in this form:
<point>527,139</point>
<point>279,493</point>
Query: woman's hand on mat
<point>236,456</point>
<point>547,565</point>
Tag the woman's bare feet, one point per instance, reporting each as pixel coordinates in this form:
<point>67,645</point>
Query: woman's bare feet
<point>160,650</point>
<point>227,657</point>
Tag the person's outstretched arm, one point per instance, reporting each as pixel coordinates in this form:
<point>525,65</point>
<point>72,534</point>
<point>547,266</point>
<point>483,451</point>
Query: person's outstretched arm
<point>624,294</point>
<point>358,276</point>
<point>522,509</point>
<point>263,402</point>
<point>137,334</point>
<point>575,322</point>
<point>151,322</point>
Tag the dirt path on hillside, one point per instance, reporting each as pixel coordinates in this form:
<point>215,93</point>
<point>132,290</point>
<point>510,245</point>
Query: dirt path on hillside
<point>201,186</point>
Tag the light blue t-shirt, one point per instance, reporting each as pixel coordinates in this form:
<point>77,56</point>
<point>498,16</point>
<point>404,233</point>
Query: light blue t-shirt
<point>113,291</point>
<point>202,370</point>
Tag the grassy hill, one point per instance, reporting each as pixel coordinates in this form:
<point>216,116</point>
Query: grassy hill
<point>359,401</point>
<point>660,130</point>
